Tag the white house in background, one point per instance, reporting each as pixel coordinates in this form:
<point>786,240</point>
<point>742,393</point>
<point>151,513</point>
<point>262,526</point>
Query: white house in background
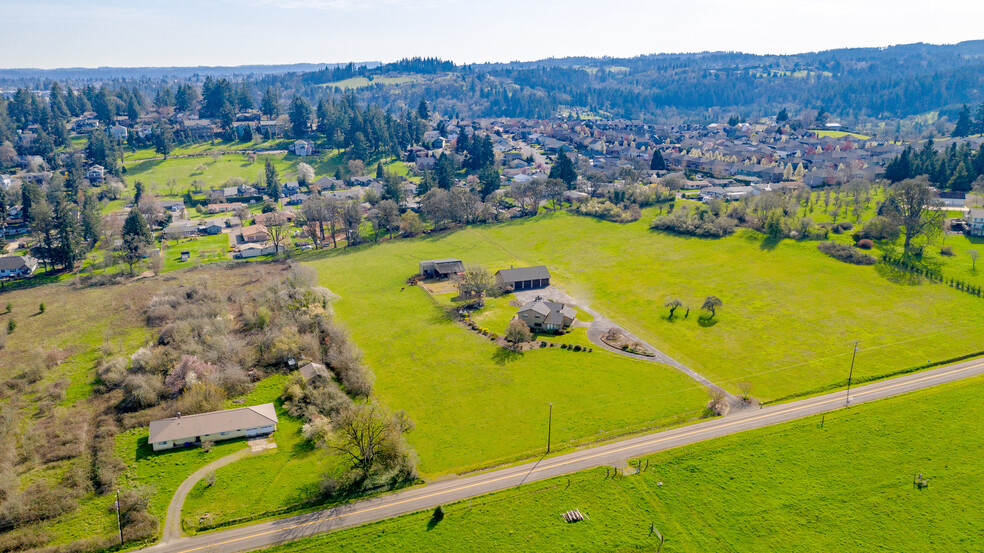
<point>245,422</point>
<point>17,266</point>
<point>6,181</point>
<point>303,148</point>
<point>975,220</point>
<point>96,173</point>
<point>253,250</point>
<point>118,132</point>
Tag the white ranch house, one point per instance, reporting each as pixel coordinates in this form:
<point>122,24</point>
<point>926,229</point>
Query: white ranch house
<point>188,430</point>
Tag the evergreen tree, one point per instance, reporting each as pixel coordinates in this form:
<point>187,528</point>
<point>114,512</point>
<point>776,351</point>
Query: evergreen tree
<point>42,219</point>
<point>445,171</point>
<point>564,170</point>
<point>270,104</point>
<point>136,238</point>
<point>380,173</point>
<point>247,132</point>
<point>163,139</point>
<point>489,179</point>
<point>964,125</point>
<point>91,220</point>
<point>164,98</point>
<point>782,116</point>
<point>657,163</point>
<point>138,194</point>
<point>960,181</point>
<point>300,116</point>
<point>461,143</point>
<point>69,249</point>
<point>132,110</point>
<point>900,168</point>
<point>979,122</point>
<point>422,111</point>
<point>272,180</point>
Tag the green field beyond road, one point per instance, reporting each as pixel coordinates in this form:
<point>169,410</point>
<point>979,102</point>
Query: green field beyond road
<point>799,487</point>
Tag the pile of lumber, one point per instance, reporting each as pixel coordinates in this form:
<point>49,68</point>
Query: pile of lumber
<point>573,516</point>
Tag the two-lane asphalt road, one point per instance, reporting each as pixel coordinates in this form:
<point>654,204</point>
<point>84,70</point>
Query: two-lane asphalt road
<point>614,454</point>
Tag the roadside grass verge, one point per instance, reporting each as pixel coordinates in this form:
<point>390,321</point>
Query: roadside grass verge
<point>845,484</point>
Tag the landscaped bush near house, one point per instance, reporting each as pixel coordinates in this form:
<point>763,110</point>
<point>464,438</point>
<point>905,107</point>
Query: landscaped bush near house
<point>865,244</point>
<point>846,253</point>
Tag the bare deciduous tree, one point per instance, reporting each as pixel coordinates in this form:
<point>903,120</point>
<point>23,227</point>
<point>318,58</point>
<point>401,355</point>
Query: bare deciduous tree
<point>711,303</point>
<point>912,206</point>
<point>475,281</point>
<point>673,304</point>
<point>363,433</point>
<point>279,230</point>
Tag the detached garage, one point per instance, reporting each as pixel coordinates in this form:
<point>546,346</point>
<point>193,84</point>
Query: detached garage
<point>244,422</point>
<point>524,278</point>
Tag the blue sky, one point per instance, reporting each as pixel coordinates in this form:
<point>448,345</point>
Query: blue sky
<point>72,33</point>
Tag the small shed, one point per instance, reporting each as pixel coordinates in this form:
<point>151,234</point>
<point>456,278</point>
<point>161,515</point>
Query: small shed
<point>185,255</point>
<point>441,268</point>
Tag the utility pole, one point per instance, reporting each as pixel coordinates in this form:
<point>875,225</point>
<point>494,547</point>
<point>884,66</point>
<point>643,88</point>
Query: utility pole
<point>549,426</point>
<point>119,523</point>
<point>851,374</point>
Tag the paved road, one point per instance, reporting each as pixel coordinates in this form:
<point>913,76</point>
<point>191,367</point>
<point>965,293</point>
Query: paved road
<point>615,454</point>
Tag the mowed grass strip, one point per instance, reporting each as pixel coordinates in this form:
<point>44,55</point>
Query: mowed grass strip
<point>476,404</point>
<point>845,485</point>
<point>273,480</point>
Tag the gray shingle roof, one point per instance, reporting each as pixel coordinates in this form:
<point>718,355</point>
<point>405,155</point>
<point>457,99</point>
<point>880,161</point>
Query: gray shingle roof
<point>191,426</point>
<point>12,263</point>
<point>524,273</point>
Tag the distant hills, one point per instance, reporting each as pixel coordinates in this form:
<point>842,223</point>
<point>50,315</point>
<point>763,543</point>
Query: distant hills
<point>98,73</point>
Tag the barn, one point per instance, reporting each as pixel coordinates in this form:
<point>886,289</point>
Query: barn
<point>523,278</point>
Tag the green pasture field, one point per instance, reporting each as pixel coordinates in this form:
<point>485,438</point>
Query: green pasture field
<point>843,482</point>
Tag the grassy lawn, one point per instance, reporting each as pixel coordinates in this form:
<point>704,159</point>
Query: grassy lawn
<point>295,468</point>
<point>214,171</point>
<point>840,134</point>
<point>474,403</point>
<point>361,82</point>
<point>788,324</point>
<point>845,486</point>
<point>204,249</point>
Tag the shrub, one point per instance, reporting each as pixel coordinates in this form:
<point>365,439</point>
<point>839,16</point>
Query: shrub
<point>880,228</point>
<point>439,513</point>
<point>845,226</point>
<point>518,332</point>
<point>865,244</point>
<point>947,251</point>
<point>577,347</point>
<point>846,253</point>
<point>701,222</point>
<point>41,308</point>
<point>11,326</point>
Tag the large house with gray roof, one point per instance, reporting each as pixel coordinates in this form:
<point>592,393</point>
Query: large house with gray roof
<point>546,315</point>
<point>523,278</point>
<point>188,430</point>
